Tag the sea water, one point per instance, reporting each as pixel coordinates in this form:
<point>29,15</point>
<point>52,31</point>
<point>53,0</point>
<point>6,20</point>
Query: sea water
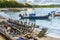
<point>53,24</point>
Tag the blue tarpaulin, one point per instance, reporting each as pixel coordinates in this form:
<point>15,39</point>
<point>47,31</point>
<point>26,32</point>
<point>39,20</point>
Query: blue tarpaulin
<point>32,15</point>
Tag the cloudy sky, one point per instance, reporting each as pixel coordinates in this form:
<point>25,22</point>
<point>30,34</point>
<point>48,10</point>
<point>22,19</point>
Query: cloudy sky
<point>40,1</point>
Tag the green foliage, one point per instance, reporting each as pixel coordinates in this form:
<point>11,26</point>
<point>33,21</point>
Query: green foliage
<point>10,4</point>
<point>14,4</point>
<point>42,33</point>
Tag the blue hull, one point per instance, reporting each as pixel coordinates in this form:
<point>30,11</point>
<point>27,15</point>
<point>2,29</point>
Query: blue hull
<point>32,16</point>
<point>36,17</point>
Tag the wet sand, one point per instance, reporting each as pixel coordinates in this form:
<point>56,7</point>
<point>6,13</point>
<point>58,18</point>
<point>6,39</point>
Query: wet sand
<point>48,38</point>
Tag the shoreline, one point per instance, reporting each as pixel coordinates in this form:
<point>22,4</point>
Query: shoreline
<point>48,38</point>
<point>53,36</point>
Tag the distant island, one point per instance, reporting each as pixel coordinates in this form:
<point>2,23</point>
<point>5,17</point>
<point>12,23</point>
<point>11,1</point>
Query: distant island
<point>14,4</point>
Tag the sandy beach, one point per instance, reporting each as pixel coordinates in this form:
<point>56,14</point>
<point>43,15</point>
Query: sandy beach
<point>48,38</point>
<point>2,38</point>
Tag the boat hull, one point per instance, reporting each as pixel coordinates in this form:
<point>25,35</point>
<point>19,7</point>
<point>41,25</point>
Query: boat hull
<point>37,17</point>
<point>57,15</point>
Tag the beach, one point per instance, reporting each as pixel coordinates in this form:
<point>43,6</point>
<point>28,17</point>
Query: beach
<point>48,38</point>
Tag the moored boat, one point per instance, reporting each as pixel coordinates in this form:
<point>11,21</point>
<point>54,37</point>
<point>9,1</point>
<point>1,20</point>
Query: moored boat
<point>57,14</point>
<point>36,17</point>
<point>32,16</point>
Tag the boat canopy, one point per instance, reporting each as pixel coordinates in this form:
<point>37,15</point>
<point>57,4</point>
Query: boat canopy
<point>32,15</point>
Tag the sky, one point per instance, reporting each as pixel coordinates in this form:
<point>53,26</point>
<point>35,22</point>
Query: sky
<point>39,2</point>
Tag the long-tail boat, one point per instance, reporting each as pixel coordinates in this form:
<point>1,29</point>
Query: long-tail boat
<point>32,16</point>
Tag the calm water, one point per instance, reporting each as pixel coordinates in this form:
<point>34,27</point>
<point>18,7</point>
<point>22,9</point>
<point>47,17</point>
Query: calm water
<point>53,25</point>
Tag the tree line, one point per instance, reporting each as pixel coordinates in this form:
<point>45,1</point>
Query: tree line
<point>11,4</point>
<point>14,4</point>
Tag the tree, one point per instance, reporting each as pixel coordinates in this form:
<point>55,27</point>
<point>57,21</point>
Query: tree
<point>3,0</point>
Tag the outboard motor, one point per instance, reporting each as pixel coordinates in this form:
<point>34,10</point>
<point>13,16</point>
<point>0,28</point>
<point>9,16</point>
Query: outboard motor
<point>53,13</point>
<point>49,14</point>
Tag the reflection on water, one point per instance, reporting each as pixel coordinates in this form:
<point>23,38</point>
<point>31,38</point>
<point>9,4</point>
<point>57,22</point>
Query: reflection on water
<point>53,24</point>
